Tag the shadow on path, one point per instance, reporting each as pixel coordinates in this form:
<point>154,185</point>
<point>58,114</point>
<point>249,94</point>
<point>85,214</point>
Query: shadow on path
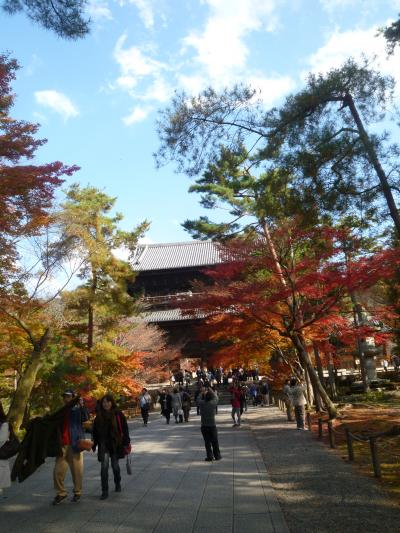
<point>317,489</point>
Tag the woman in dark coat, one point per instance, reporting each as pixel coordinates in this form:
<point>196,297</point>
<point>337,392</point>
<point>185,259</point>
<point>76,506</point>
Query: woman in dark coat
<point>111,437</point>
<point>166,404</point>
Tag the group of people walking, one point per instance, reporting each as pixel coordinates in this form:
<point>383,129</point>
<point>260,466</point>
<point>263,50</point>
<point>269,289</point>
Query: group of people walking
<point>61,435</point>
<point>178,402</point>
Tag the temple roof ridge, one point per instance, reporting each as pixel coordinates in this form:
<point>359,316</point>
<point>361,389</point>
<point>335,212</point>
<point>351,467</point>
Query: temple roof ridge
<point>175,255</point>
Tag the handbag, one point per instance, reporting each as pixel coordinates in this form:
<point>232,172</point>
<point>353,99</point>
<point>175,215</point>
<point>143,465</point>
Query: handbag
<point>10,447</point>
<point>180,412</point>
<point>128,464</point>
<point>126,450</point>
<point>85,445</point>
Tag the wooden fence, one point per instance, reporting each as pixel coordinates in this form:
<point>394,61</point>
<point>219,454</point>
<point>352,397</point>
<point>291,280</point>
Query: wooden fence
<point>371,439</point>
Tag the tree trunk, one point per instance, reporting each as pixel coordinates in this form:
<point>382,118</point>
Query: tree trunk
<point>318,362</point>
<point>26,383</point>
<point>298,344</point>
<point>310,395</point>
<point>307,365</point>
<point>320,373</point>
<point>331,377</point>
<point>90,327</point>
<point>372,155</point>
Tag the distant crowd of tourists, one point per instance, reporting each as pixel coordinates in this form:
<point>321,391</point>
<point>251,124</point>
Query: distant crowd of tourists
<point>216,376</point>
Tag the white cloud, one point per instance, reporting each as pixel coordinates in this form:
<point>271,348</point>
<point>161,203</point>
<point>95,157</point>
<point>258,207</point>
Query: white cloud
<point>191,84</point>
<point>138,114</point>
<point>137,65</point>
<point>58,102</point>
<point>133,61</point>
<point>271,89</point>
<point>220,47</point>
<point>221,53</point>
<point>99,10</point>
<point>216,55</point>
<point>356,43</point>
<point>146,11</point>
<point>142,76</point>
<point>159,90</point>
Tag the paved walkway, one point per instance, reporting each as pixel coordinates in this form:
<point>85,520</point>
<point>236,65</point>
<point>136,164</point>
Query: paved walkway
<point>319,491</point>
<point>172,489</point>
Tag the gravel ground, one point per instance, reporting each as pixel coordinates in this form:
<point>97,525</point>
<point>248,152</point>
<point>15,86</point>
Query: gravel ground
<point>319,491</point>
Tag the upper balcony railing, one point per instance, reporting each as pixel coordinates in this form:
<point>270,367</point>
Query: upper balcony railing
<point>167,299</point>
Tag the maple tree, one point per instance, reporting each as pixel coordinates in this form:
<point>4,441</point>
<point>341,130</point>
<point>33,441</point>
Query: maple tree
<point>31,313</point>
<point>26,190</point>
<point>308,306</point>
<point>149,350</point>
<point>26,197</point>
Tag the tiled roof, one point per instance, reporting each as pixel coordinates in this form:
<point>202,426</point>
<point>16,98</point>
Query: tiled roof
<point>167,315</point>
<point>176,255</point>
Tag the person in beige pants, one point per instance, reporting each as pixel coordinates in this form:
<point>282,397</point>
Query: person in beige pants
<point>72,458</point>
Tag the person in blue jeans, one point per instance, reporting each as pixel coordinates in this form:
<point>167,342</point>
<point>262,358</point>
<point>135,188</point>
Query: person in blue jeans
<point>111,438</point>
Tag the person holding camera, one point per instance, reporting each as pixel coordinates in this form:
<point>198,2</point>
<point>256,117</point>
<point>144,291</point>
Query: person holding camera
<point>207,403</point>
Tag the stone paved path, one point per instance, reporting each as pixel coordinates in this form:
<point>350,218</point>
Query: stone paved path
<point>172,489</point>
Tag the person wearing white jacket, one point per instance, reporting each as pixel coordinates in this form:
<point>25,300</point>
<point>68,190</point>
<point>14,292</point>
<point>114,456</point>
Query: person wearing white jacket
<point>297,396</point>
<point>5,478</point>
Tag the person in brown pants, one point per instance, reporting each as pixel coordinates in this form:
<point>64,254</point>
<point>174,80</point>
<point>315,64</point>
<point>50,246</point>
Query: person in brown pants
<point>71,457</point>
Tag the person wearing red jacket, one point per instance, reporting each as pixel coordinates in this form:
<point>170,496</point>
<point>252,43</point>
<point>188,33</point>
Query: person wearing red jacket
<point>235,402</point>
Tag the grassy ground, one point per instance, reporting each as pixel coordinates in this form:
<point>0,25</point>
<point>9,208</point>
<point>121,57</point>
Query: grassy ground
<point>377,413</point>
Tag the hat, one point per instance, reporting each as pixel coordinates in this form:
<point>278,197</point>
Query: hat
<point>68,392</point>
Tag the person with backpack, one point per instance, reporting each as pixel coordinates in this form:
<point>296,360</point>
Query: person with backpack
<point>145,404</point>
<point>5,476</point>
<point>112,440</point>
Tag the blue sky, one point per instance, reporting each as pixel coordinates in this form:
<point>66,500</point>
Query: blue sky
<point>97,99</point>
